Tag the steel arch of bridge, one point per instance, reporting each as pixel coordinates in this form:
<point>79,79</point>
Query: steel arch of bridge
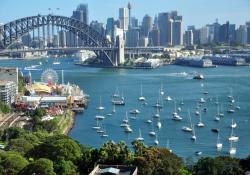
<point>12,31</point>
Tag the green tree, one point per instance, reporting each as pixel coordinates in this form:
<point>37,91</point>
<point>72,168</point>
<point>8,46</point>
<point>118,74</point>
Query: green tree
<point>12,162</point>
<point>65,168</point>
<point>20,145</point>
<point>41,166</point>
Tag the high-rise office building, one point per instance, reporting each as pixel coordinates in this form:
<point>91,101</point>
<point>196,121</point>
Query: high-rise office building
<point>110,28</point>
<point>204,35</point>
<point>124,18</point>
<point>177,34</point>
<point>248,32</point>
<point>134,22</point>
<point>216,26</point>
<point>132,37</point>
<point>189,38</point>
<point>241,35</point>
<point>81,13</point>
<point>99,27</point>
<point>154,37</point>
<point>143,41</point>
<point>165,27</point>
<point>224,33</point>
<point>147,25</point>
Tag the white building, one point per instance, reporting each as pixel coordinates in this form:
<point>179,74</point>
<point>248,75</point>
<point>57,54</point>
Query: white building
<point>7,92</point>
<point>189,38</point>
<point>204,34</point>
<point>9,74</point>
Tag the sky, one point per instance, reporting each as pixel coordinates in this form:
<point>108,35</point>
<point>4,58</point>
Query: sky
<point>194,12</point>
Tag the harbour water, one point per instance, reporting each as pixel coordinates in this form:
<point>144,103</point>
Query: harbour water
<point>177,84</point>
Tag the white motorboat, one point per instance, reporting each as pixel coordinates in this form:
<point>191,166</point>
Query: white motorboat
<point>100,107</point>
<point>198,77</point>
<point>158,124</point>
<point>187,129</point>
<point>128,129</point>
<point>230,110</point>
<point>198,153</point>
<point>232,150</point>
<point>149,121</point>
<point>202,100</point>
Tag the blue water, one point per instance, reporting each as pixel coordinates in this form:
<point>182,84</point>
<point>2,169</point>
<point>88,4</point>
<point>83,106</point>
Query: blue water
<point>102,82</point>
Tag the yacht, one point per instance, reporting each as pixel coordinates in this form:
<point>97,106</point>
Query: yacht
<point>134,111</point>
<point>100,106</point>
<point>156,141</point>
<point>149,121</point>
<point>193,137</point>
<point>233,124</point>
<point>128,129</point>
<point>141,98</point>
<point>202,100</point>
<point>230,110</point>
<point>186,128</point>
<point>161,91</point>
<point>238,105</point>
<point>200,124</point>
<point>158,124</point>
<point>198,153</point>
<point>217,116</point>
<point>221,114</point>
<point>232,150</point>
<point>175,114</point>
<point>116,94</point>
<point>182,103</point>
<point>125,120</point>
<point>99,117</point>
<point>113,110</point>
<point>233,138</point>
<point>56,62</point>
<point>168,147</point>
<point>168,98</point>
<point>157,115</point>
<point>139,138</point>
<point>97,127</point>
<point>152,133</point>
<point>219,144</point>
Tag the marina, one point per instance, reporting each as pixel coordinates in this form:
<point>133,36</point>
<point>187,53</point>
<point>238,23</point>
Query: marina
<point>219,83</point>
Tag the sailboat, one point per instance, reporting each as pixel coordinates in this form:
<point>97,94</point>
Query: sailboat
<point>168,98</point>
<point>156,141</point>
<point>218,144</point>
<point>99,117</point>
<point>161,91</point>
<point>217,100</point>
<point>152,133</point>
<point>193,137</point>
<point>217,116</point>
<point>128,129</point>
<point>200,124</point>
<point>158,124</point>
<point>233,124</point>
<point>221,114</point>
<point>186,128</point>
<point>232,150</point>
<point>141,98</point>
<point>168,147</point>
<point>100,106</point>
<point>104,133</point>
<point>238,104</point>
<point>139,138</point>
<point>157,115</point>
<point>233,138</point>
<point>116,94</point>
<point>97,127</point>
<point>175,115</point>
<point>56,62</point>
<point>125,121</point>
<point>113,110</point>
<point>182,103</point>
<point>230,96</point>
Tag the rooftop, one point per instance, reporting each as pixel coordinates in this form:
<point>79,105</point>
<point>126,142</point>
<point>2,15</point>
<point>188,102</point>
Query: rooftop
<point>114,170</point>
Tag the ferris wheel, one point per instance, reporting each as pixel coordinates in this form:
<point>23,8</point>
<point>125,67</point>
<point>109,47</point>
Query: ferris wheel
<point>49,76</point>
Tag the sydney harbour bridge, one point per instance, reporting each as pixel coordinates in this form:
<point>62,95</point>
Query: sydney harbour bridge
<point>45,26</point>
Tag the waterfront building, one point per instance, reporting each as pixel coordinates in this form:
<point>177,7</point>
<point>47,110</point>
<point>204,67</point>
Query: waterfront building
<point>7,91</point>
<point>241,35</point>
<point>124,18</point>
<point>226,60</point>
<point>147,25</point>
<point>114,170</point>
<point>189,38</point>
<point>194,62</point>
<point>132,37</point>
<point>10,74</point>
<point>154,37</point>
<point>81,13</point>
<point>204,35</point>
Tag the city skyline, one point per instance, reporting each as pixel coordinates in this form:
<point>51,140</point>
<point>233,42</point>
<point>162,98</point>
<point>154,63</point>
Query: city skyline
<point>235,12</point>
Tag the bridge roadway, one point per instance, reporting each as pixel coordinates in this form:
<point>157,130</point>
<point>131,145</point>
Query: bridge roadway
<point>127,49</point>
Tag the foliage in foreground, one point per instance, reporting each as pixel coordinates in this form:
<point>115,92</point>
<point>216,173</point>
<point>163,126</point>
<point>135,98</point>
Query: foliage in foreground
<point>39,152</point>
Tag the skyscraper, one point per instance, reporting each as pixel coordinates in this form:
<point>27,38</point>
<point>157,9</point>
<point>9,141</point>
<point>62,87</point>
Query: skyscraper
<point>81,13</point>
<point>147,25</point>
<point>99,27</point>
<point>189,38</point>
<point>134,22</point>
<point>248,32</point>
<point>177,38</point>
<point>110,28</point>
<point>154,37</point>
<point>123,17</point>
<point>241,35</point>
<point>204,35</point>
<point>132,37</point>
<point>165,27</point>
